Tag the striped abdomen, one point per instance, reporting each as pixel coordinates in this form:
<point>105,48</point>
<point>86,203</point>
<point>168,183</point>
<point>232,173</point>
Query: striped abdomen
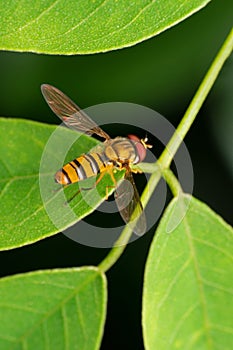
<point>81,168</point>
<point>119,150</point>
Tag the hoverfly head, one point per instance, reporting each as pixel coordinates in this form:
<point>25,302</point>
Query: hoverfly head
<point>141,146</point>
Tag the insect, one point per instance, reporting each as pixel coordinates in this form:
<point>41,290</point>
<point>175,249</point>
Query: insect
<point>118,153</point>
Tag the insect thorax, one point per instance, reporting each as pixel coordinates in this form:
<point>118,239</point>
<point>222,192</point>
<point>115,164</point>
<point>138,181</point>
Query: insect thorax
<point>121,150</point>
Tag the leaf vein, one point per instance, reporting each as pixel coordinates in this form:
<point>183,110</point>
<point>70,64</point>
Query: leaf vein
<point>209,244</point>
<point>5,188</point>
<point>65,327</point>
<point>19,204</point>
<point>222,328</point>
<point>46,335</point>
<point>6,166</point>
<point>86,18</point>
<point>57,285</point>
<point>181,321</point>
<point>33,20</point>
<point>59,305</point>
<point>217,286</point>
<point>21,308</point>
<point>173,282</point>
<point>80,317</point>
<point>199,279</point>
<point>133,20</point>
<point>130,22</point>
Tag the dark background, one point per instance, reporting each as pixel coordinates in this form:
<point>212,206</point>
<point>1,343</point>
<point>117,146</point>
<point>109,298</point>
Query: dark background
<point>162,73</point>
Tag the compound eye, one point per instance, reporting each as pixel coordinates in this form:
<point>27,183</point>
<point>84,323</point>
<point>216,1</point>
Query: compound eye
<point>141,150</point>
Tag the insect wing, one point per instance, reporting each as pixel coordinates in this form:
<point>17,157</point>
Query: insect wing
<point>129,204</point>
<point>69,112</point>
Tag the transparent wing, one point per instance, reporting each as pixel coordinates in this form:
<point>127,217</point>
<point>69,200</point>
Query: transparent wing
<point>69,112</point>
<point>129,204</point>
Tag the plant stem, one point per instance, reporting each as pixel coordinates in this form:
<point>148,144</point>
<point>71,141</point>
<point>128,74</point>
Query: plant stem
<point>117,250</point>
<point>148,168</point>
<point>161,168</point>
<point>172,182</point>
<point>195,105</point>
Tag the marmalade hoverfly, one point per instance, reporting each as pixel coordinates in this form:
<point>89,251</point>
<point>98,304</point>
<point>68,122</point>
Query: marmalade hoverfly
<point>118,153</point>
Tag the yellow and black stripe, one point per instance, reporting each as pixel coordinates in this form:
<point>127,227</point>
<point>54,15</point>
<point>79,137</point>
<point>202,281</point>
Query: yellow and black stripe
<point>118,150</point>
<point>81,168</point>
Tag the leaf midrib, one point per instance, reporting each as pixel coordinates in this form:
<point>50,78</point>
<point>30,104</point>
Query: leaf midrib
<point>56,308</point>
<point>199,278</point>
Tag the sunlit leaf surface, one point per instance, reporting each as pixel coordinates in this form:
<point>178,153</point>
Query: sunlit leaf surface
<point>86,26</point>
<point>188,289</point>
<point>57,309</point>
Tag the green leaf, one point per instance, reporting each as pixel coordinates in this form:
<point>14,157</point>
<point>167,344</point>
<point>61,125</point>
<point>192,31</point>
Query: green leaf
<point>33,206</point>
<point>188,288</point>
<point>57,309</point>
<point>86,26</point>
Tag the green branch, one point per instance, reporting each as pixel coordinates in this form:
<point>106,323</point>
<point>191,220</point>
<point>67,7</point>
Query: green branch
<point>161,168</point>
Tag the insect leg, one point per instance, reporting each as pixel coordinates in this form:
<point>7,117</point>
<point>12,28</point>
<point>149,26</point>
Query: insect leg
<point>72,197</point>
<point>109,171</point>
